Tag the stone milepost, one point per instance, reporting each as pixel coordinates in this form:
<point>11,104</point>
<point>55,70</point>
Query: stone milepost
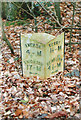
<point>42,54</point>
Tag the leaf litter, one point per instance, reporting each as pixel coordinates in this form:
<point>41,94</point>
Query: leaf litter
<point>25,97</point>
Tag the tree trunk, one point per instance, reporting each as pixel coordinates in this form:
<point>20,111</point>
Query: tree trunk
<point>6,40</point>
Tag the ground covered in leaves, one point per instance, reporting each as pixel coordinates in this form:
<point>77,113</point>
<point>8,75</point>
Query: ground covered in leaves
<point>24,97</point>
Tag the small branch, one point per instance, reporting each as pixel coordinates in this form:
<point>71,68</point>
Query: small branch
<point>61,29</point>
<point>68,28</point>
<point>29,8</point>
<point>38,24</point>
<point>50,14</point>
<point>24,10</point>
<point>35,20</point>
<point>6,40</point>
<point>73,43</point>
<point>53,14</point>
<point>74,5</point>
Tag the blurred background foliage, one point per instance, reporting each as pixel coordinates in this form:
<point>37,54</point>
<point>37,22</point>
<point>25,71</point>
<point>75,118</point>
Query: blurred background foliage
<point>17,10</point>
<point>12,11</point>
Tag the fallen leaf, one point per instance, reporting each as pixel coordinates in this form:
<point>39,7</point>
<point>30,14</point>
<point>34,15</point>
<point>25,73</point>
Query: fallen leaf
<point>18,112</point>
<point>58,114</point>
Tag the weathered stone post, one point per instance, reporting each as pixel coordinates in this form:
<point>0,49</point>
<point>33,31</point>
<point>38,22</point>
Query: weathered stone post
<point>42,54</point>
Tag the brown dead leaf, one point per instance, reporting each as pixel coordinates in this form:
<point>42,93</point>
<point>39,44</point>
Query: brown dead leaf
<point>58,114</point>
<point>71,86</point>
<point>18,112</point>
<point>21,116</point>
<point>25,113</point>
